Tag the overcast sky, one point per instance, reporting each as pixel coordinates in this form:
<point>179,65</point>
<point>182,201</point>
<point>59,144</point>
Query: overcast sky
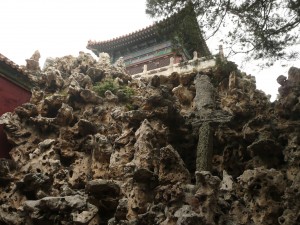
<point>63,27</point>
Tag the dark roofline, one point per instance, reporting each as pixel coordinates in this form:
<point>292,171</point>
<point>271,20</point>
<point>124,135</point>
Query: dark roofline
<point>14,73</point>
<point>114,43</point>
<point>154,30</point>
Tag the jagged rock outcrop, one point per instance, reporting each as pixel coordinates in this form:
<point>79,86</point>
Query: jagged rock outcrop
<point>94,146</point>
<point>32,64</point>
<point>289,104</point>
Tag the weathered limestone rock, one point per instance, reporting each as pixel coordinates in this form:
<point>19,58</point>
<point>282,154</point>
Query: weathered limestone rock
<point>288,105</point>
<point>267,150</point>
<point>155,81</point>
<point>52,79</point>
<point>32,64</point>
<point>171,161</point>
<point>187,216</point>
<point>101,150</point>
<point>89,96</point>
<point>9,215</point>
<point>102,188</point>
<point>110,96</point>
<point>6,166</point>
<point>145,146</point>
<point>104,59</point>
<point>13,126</point>
<point>96,74</point>
<point>27,110</point>
<point>184,95</point>
<point>84,81</point>
<point>47,210</point>
<point>208,187</point>
<point>64,115</point>
<point>121,210</point>
<point>163,150</point>
<point>146,177</point>
<point>104,194</point>
<point>120,65</point>
<point>262,190</point>
<point>187,79</point>
<point>291,207</point>
<point>34,182</point>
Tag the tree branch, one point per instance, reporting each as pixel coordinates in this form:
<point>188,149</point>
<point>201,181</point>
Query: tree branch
<point>221,20</point>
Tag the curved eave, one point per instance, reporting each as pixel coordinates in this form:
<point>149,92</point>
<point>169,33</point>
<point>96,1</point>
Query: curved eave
<point>131,38</point>
<point>123,41</point>
<point>157,30</point>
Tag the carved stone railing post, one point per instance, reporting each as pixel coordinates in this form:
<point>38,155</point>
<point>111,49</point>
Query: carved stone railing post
<point>171,67</point>
<point>195,64</point>
<point>221,53</point>
<point>232,81</point>
<point>145,69</point>
<point>195,55</point>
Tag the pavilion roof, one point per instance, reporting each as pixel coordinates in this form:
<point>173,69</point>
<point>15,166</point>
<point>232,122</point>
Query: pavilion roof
<point>131,38</point>
<point>157,30</point>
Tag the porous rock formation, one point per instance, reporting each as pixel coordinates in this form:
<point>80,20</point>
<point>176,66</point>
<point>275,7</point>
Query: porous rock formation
<point>94,146</point>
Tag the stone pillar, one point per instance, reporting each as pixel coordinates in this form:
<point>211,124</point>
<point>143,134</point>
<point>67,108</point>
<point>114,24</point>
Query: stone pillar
<point>205,104</point>
<point>204,99</point>
<point>195,55</point>
<point>232,83</point>
<point>145,69</point>
<point>204,148</point>
<point>221,53</point>
<point>171,64</point>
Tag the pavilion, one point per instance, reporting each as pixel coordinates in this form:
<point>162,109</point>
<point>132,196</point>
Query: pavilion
<point>176,37</point>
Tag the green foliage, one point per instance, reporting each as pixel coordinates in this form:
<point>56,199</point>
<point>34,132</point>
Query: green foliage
<point>63,92</point>
<point>261,29</point>
<point>107,85</point>
<point>223,70</point>
<point>129,92</point>
<point>123,92</point>
<point>226,67</point>
<point>129,107</point>
<point>184,32</point>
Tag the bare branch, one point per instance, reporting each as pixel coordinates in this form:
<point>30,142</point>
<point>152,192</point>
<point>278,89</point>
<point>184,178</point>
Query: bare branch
<point>221,20</point>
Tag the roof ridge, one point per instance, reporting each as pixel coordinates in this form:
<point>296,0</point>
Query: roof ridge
<point>155,23</point>
<point>91,43</point>
<point>12,64</point>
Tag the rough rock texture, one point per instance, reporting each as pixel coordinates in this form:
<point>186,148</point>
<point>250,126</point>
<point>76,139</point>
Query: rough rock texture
<point>94,146</point>
<point>32,64</point>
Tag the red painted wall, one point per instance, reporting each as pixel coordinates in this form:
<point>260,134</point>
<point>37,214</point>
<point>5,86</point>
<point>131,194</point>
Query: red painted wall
<point>11,96</point>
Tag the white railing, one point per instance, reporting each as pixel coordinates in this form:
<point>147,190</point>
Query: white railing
<point>194,65</point>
